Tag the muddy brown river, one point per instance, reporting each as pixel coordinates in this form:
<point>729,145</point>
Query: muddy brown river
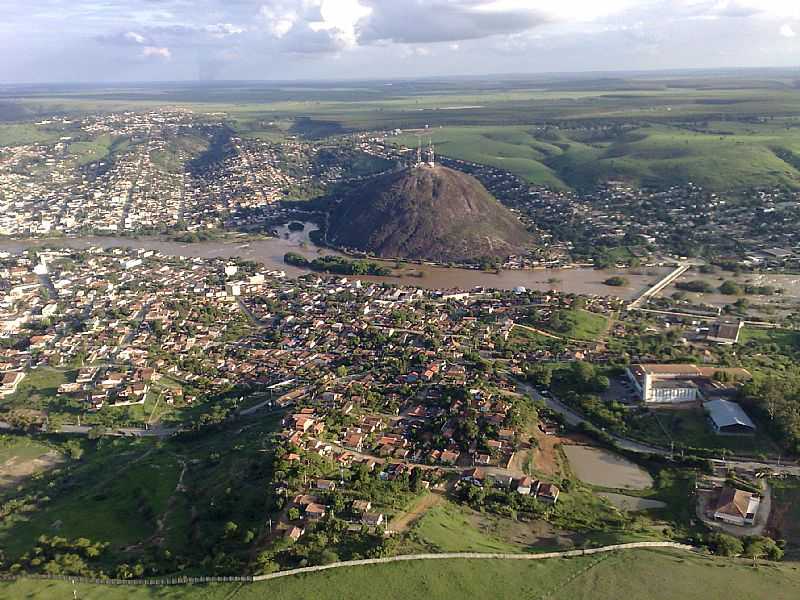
<point>270,253</point>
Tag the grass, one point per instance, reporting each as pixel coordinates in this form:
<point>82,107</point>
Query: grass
<point>654,154</point>
<point>581,325</point>
<point>640,574</point>
<point>446,528</point>
<point>784,338</point>
<point>689,428</point>
<point>16,134</point>
<point>13,447</point>
<point>111,498</point>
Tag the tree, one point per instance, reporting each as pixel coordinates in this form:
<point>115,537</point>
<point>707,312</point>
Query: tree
<point>230,529</point>
<point>293,514</point>
<point>725,545</point>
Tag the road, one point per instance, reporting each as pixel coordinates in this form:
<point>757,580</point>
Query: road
<point>574,419</point>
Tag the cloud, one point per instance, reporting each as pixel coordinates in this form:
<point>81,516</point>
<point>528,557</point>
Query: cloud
<point>418,22</point>
<point>787,31</point>
<point>279,17</point>
<point>222,30</point>
<point>134,37</point>
<point>156,52</point>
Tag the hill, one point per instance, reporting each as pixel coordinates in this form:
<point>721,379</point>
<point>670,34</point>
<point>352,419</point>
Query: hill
<point>430,213</point>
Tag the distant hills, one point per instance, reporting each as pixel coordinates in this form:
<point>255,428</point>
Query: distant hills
<point>429,213</point>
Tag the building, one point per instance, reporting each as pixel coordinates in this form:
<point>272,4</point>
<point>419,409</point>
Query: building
<point>9,382</point>
<point>736,507</point>
<point>675,384</point>
<point>725,332</point>
<point>728,418</point>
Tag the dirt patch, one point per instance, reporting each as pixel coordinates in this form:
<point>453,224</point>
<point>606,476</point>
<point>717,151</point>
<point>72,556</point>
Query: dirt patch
<point>535,533</point>
<point>546,457</point>
<point>15,470</point>
<point>405,520</point>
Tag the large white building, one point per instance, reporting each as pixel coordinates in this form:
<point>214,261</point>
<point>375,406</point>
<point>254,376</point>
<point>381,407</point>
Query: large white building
<point>675,384</point>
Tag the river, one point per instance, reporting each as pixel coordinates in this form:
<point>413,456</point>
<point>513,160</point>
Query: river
<point>270,253</point>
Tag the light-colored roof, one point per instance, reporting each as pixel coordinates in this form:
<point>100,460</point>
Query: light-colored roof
<point>725,413</point>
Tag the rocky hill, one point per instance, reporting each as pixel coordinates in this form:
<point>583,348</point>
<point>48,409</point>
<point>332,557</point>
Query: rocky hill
<point>431,213</point>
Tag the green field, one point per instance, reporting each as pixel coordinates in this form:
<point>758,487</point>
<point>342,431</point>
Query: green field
<point>580,324</point>
<point>662,155</point>
<point>722,132</point>
<point>446,528</point>
<point>784,338</point>
<point>643,575</point>
<point>15,134</point>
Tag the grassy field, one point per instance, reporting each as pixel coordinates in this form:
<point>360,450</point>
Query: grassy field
<point>690,428</point>
<point>15,134</point>
<point>446,528</point>
<point>721,132</point>
<point>114,497</point>
<point>661,155</point>
<point>581,325</point>
<point>643,575</point>
<point>785,339</point>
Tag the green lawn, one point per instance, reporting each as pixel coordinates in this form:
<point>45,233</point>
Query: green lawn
<point>640,575</point>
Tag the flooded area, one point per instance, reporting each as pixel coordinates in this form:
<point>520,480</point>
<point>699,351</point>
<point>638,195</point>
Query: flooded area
<point>596,466</point>
<point>789,284</point>
<point>270,253</point>
<point>631,503</point>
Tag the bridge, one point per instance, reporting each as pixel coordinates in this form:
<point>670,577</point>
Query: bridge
<point>658,287</point>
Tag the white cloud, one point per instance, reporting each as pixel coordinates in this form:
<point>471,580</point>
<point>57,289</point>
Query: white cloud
<point>787,31</point>
<point>156,52</point>
<point>279,17</point>
<point>221,30</point>
<point>137,38</point>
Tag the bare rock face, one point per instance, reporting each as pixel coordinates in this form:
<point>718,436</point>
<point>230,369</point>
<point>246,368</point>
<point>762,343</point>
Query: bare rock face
<point>430,213</point>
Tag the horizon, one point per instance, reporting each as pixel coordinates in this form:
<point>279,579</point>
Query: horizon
<point>120,41</point>
<point>544,76</point>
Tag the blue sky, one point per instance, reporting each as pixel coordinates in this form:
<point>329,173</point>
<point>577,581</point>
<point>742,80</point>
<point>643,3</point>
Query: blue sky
<point>144,40</point>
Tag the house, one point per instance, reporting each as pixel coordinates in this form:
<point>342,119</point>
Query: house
<point>728,418</point>
<point>525,486</point>
<point>325,484</point>
<point>294,533</point>
<point>736,506</point>
<point>725,332</point>
<point>449,457</point>
<point>547,492</point>
<point>372,519</point>
<point>361,506</point>
<point>9,382</point>
<point>315,511</point>
<point>475,476</point>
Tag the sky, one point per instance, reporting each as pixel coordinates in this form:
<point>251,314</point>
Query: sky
<point>169,40</point>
